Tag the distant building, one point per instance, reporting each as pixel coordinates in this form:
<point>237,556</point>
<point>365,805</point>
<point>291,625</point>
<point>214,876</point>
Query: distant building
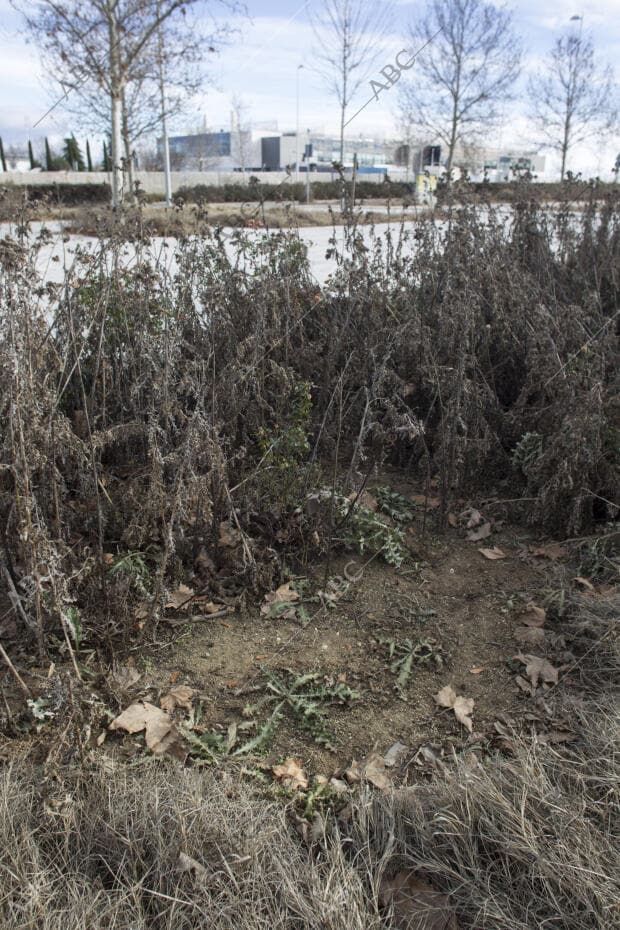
<point>478,163</point>
<point>225,150</point>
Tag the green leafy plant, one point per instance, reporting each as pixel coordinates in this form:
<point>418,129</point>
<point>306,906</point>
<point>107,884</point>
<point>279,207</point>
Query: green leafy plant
<point>528,451</point>
<point>394,504</point>
<point>307,697</point>
<point>405,653</point>
<point>364,530</point>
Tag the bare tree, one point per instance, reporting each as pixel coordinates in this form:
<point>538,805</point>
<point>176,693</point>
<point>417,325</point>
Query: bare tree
<point>470,63</point>
<point>97,47</point>
<point>349,34</point>
<point>573,97</point>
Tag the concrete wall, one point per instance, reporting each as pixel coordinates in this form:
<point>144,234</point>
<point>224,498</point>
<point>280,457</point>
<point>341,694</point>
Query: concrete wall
<point>152,182</point>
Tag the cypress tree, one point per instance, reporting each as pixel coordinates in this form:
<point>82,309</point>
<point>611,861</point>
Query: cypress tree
<point>33,162</point>
<point>89,160</point>
<point>72,154</point>
<point>48,156</point>
<point>2,158</point>
<point>106,159</point>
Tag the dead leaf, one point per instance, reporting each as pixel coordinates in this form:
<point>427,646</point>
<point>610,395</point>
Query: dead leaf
<point>228,536</point>
<point>538,669</point>
<point>429,754</point>
<point>373,770</point>
<point>446,697</point>
<point>494,553</point>
<point>291,774</point>
<point>522,683</point>
<point>338,786</point>
<point>415,905</point>
<point>476,671</point>
<point>481,533</point>
<point>472,516</point>
<point>395,754</point>
<point>452,519</point>
<point>160,733</point>
<point>430,502</point>
<point>189,864</point>
<point>557,736</point>
<point>531,635</point>
<point>584,583</point>
<point>126,676</point>
<point>180,696</point>
<point>283,595</point>
<point>551,551</point>
<point>354,773</point>
<point>366,499</point>
<point>533,615</point>
<point>462,707</point>
<point>180,597</point>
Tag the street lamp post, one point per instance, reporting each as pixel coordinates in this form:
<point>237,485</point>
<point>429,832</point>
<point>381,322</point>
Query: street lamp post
<point>299,67</point>
<point>575,18</point>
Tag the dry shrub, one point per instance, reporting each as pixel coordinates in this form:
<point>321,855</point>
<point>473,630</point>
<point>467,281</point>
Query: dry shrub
<point>144,407</point>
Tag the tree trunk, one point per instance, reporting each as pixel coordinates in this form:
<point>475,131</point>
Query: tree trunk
<point>116,100</point>
<point>565,144</point>
<point>115,152</point>
<point>127,148</point>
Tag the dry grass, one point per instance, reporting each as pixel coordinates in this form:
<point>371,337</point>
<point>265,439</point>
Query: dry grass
<point>517,844</point>
<point>524,842</point>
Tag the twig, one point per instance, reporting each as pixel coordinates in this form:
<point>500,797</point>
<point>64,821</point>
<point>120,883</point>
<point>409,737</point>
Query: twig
<point>20,681</point>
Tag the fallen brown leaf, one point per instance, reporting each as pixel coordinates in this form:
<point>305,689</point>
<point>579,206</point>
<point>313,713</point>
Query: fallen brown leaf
<point>538,669</point>
<point>452,519</point>
<point>431,502</point>
<point>415,905</point>
<point>481,533</point>
<point>180,597</point>
<point>472,516</point>
<point>373,770</point>
<point>179,696</point>
<point>366,499</point>
<point>462,707</point>
<point>477,670</point>
<point>551,551</point>
<point>126,676</point>
<point>533,615</point>
<point>531,635</point>
<point>584,583</point>
<point>524,684</point>
<point>228,536</point>
<point>291,774</point>
<point>191,865</point>
<point>493,553</point>
<point>282,595</point>
<point>160,733</point>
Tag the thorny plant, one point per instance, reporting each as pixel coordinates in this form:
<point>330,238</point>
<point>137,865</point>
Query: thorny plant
<point>306,697</point>
<point>145,402</point>
<point>404,654</point>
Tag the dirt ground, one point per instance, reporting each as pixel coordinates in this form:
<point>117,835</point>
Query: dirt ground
<point>447,597</point>
<point>448,611</point>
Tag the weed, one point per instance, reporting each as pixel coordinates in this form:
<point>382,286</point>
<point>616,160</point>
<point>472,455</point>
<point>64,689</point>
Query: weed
<point>395,505</point>
<point>307,697</point>
<point>363,530</point>
<point>405,653</point>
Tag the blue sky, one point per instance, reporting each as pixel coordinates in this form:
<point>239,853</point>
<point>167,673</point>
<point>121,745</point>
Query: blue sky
<point>260,67</point>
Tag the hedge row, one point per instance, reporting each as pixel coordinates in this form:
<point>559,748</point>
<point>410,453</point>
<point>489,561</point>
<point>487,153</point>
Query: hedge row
<point>65,194</point>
